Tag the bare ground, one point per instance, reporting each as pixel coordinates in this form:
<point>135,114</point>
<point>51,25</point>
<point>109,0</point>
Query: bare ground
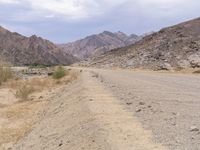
<point>84,115</point>
<point>165,103</point>
<point>119,110</point>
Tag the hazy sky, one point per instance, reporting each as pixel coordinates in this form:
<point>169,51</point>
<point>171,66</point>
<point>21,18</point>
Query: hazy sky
<point>67,20</point>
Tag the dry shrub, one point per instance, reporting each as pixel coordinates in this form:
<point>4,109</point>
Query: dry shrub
<point>5,73</point>
<point>71,76</point>
<point>59,72</point>
<point>24,88</point>
<point>24,91</point>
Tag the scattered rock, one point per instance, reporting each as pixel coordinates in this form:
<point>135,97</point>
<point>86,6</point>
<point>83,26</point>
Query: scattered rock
<point>138,110</point>
<point>174,113</point>
<point>141,103</point>
<point>50,73</point>
<point>165,66</point>
<point>195,60</point>
<point>68,141</point>
<point>129,103</point>
<point>95,76</point>
<point>194,129</point>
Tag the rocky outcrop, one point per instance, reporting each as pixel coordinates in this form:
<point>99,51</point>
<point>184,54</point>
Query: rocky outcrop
<point>175,47</point>
<point>95,45</point>
<point>21,50</point>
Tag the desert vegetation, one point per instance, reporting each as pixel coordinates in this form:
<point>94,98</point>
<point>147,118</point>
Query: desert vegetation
<point>5,73</point>
<point>23,98</point>
<point>24,88</point>
<point>24,91</point>
<point>59,72</point>
<point>38,66</point>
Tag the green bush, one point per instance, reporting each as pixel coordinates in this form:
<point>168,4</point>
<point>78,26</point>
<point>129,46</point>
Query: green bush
<point>59,72</point>
<point>38,66</point>
<point>5,73</point>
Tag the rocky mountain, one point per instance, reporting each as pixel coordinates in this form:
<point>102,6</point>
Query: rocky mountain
<point>21,50</point>
<point>95,45</point>
<point>175,47</point>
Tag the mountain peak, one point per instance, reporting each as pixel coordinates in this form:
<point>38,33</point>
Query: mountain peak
<point>20,50</point>
<point>33,36</point>
<point>174,47</point>
<point>98,44</point>
<point>106,32</point>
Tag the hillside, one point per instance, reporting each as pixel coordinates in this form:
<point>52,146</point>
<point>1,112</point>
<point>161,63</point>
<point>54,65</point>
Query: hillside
<point>21,50</point>
<point>95,45</point>
<point>175,47</point>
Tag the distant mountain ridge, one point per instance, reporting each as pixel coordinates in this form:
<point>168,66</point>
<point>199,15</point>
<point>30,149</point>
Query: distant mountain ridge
<point>175,47</point>
<point>20,50</point>
<point>97,44</point>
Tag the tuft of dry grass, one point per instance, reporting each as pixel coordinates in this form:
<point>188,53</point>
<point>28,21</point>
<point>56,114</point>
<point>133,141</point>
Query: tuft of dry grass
<point>5,73</point>
<point>24,91</point>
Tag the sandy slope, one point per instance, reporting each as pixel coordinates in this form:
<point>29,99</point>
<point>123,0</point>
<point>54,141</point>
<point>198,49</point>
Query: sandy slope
<point>84,115</point>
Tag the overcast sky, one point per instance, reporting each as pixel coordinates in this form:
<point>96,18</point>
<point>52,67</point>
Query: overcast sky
<point>62,21</point>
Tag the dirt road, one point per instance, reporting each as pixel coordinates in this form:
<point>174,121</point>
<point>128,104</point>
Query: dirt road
<point>120,110</point>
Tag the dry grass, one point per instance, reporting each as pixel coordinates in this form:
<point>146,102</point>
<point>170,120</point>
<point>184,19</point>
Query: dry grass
<point>13,134</point>
<point>24,91</point>
<point>71,77</point>
<point>24,88</point>
<point>5,73</point>
<point>21,110</point>
<point>20,118</point>
<point>22,115</point>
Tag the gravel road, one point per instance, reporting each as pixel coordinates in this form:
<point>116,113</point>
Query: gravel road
<point>165,103</point>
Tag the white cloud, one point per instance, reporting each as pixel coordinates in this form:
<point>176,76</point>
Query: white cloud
<point>84,9</point>
<point>68,9</point>
<point>9,1</point>
<point>76,16</point>
<point>79,10</point>
<point>75,9</point>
